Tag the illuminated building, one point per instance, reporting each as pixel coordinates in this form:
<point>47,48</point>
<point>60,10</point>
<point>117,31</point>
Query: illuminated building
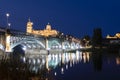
<point>118,60</point>
<point>117,35</point>
<point>46,32</point>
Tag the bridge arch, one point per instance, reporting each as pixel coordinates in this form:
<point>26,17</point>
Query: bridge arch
<point>27,41</point>
<point>73,45</point>
<point>66,45</point>
<point>77,45</point>
<point>54,43</point>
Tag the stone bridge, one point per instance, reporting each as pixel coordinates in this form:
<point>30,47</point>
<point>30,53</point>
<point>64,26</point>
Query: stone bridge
<point>10,39</point>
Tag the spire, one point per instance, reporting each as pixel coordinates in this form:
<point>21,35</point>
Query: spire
<point>48,26</point>
<point>48,23</point>
<point>29,19</point>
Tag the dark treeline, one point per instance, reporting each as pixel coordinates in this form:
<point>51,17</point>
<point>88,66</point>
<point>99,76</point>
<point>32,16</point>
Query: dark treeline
<point>97,37</point>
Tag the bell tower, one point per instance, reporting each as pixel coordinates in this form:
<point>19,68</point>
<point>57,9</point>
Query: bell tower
<point>29,26</point>
<point>48,27</point>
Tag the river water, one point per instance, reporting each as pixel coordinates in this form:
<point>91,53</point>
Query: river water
<point>98,65</point>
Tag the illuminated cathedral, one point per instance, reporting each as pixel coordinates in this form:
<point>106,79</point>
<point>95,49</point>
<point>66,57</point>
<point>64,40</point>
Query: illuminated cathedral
<point>117,35</point>
<point>46,32</point>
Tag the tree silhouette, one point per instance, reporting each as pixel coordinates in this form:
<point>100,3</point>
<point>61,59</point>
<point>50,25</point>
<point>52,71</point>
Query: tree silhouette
<point>97,37</point>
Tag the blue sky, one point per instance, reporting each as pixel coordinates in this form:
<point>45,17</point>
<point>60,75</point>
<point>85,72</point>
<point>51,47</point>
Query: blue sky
<point>75,17</point>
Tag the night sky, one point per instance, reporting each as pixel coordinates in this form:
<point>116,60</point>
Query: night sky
<point>74,17</point>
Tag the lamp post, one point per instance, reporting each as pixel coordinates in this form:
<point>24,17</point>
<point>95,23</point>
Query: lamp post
<point>7,16</point>
<point>7,34</point>
<point>9,24</point>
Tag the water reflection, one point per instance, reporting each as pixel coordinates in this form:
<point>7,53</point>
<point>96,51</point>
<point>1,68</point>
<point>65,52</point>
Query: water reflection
<point>68,59</point>
<point>23,68</point>
<point>97,60</point>
<point>42,67</point>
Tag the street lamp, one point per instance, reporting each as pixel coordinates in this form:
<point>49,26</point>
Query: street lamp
<point>9,24</point>
<point>7,16</point>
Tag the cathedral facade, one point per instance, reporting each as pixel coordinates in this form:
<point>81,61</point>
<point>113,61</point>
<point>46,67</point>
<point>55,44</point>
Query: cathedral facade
<point>46,32</point>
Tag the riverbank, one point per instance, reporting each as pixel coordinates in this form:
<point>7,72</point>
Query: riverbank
<point>98,49</point>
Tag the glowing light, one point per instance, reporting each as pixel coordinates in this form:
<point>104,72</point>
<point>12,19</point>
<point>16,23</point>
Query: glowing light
<point>34,61</point>
<point>24,59</point>
<point>66,66</point>
<point>38,61</point>
<point>8,49</point>
<point>43,61</point>
<point>60,46</point>
<point>77,55</point>
<point>8,39</point>
<point>62,70</point>
<point>80,56</point>
<point>24,48</point>
<point>9,24</point>
<point>1,47</point>
<point>49,57</point>
<point>88,56</point>
<point>7,14</point>
<point>84,57</point>
<point>63,47</point>
<point>55,73</point>
<point>117,60</point>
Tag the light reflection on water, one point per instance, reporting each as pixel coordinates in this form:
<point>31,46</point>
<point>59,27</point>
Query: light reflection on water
<point>51,61</point>
<point>52,66</point>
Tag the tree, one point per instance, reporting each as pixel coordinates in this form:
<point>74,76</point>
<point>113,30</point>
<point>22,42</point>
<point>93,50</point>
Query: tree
<point>86,37</point>
<point>86,40</point>
<point>97,37</point>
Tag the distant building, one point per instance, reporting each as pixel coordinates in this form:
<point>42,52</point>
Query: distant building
<point>112,40</point>
<point>46,32</point>
<point>117,35</point>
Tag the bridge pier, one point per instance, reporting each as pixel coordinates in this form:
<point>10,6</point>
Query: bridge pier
<point>7,46</point>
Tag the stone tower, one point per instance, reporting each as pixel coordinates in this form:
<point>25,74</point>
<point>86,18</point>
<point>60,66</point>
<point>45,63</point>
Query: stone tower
<point>29,28</point>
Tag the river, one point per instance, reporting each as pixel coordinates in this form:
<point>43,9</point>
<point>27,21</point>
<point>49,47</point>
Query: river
<point>98,65</point>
